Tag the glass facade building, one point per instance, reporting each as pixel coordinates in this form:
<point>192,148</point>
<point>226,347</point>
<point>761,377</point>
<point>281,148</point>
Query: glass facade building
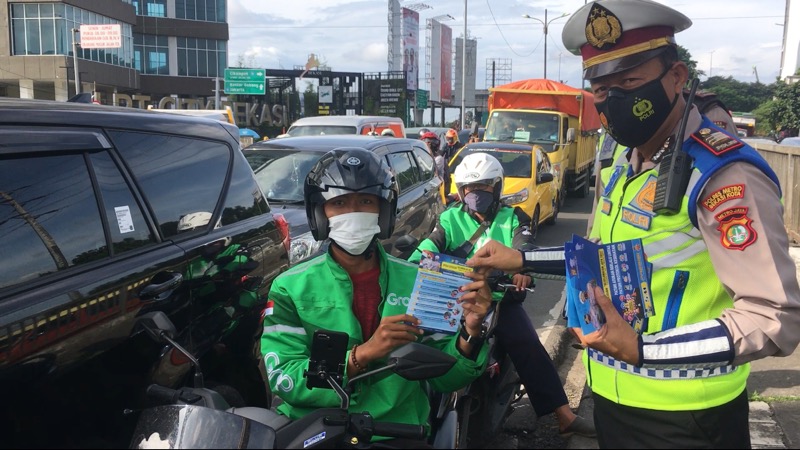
<point>162,50</point>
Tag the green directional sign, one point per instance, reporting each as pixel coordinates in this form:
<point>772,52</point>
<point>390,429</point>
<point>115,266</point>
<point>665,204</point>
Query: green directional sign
<point>245,81</point>
<point>422,99</point>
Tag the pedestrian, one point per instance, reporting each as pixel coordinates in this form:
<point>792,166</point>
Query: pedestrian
<point>723,285</point>
<point>465,226</point>
<point>356,287</point>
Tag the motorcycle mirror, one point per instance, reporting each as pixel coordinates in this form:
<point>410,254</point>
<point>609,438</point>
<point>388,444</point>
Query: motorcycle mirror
<point>406,243</point>
<point>158,326</point>
<point>415,361</point>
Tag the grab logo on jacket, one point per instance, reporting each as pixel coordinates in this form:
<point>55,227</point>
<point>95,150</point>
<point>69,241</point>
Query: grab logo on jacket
<point>394,300</point>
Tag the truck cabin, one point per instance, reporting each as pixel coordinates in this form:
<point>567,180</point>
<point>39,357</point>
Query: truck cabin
<point>526,127</point>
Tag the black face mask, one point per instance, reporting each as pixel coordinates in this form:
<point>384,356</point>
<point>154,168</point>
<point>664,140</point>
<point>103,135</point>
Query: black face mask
<point>480,202</point>
<point>633,116</point>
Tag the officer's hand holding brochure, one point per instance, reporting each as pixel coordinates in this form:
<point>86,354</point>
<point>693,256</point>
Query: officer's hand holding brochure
<point>621,269</point>
<point>436,298</point>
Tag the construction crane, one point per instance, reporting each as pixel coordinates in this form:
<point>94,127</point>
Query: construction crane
<point>755,71</point>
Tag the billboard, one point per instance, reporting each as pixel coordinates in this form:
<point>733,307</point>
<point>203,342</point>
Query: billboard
<point>410,44</point>
<point>385,94</point>
<point>471,70</point>
<point>441,62</point>
<point>446,77</point>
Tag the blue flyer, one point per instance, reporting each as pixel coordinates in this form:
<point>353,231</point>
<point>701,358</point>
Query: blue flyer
<point>621,269</point>
<point>436,298</point>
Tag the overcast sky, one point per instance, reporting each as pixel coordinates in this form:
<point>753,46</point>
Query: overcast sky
<point>727,38</point>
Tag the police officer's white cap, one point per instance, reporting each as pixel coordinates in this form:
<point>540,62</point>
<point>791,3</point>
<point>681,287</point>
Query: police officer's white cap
<point>616,35</point>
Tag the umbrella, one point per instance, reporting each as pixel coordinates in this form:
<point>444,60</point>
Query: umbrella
<point>247,132</point>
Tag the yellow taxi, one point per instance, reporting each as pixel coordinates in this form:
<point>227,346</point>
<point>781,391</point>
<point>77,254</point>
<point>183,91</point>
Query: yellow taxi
<point>528,178</point>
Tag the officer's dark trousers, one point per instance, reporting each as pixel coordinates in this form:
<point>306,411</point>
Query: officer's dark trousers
<point>724,426</point>
<point>517,336</point>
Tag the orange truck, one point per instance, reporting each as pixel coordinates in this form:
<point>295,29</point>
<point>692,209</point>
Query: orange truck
<point>559,118</point>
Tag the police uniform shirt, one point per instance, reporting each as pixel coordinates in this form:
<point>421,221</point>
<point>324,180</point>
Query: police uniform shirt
<point>760,275</point>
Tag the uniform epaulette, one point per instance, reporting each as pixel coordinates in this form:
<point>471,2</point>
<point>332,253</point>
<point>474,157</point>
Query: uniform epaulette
<point>716,141</point>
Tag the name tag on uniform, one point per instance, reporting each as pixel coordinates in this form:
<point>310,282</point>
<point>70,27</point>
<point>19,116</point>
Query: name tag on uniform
<point>636,218</point>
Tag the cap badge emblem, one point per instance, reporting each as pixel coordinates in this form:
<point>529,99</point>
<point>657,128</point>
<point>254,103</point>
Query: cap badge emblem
<point>602,28</point>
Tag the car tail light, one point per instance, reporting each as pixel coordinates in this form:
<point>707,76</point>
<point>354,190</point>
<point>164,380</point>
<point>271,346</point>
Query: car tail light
<point>283,227</point>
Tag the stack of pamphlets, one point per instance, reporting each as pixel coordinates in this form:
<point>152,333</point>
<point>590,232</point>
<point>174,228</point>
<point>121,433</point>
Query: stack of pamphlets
<point>436,298</point>
<point>621,269</point>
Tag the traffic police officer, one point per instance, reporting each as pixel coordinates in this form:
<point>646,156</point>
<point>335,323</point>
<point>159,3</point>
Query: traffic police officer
<point>724,295</point>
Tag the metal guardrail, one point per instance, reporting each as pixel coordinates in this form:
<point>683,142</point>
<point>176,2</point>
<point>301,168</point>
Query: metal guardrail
<point>785,161</point>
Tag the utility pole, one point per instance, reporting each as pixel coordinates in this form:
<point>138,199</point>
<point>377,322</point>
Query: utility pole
<point>463,123</point>
<point>75,60</point>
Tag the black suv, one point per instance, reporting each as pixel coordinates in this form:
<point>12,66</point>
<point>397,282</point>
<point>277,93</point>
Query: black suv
<point>107,214</point>
<point>281,166</point>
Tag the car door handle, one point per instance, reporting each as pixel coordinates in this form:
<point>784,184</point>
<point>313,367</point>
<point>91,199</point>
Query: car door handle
<point>163,285</point>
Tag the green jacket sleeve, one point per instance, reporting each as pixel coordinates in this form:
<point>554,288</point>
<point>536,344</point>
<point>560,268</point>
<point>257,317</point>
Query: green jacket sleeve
<point>464,371</point>
<point>286,345</point>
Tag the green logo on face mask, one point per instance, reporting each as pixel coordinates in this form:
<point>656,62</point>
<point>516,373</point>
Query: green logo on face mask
<point>643,109</point>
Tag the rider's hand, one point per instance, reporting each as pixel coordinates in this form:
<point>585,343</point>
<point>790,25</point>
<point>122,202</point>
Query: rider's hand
<point>616,337</point>
<point>495,255</point>
<point>521,281</point>
<point>476,301</point>
<point>393,332</point>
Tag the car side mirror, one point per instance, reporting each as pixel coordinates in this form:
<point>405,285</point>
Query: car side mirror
<point>570,135</point>
<point>544,177</point>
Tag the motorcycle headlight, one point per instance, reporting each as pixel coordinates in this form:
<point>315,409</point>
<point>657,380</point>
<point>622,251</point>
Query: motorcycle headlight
<point>303,246</point>
<point>517,197</point>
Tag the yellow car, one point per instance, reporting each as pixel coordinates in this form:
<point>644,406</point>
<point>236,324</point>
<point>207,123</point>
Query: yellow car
<point>528,181</point>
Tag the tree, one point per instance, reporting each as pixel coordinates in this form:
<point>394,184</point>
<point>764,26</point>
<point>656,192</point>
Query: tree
<point>245,61</point>
<point>686,57</point>
<point>783,112</point>
<point>738,95</point>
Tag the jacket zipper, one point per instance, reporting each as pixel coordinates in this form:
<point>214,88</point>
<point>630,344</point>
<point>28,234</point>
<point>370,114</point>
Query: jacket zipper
<point>674,300</point>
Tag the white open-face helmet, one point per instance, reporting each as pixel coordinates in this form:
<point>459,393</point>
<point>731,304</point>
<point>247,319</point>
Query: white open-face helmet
<point>479,168</point>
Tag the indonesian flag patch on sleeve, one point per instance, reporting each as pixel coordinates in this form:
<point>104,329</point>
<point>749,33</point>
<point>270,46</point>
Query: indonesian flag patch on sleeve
<point>736,232</point>
<point>269,309</point>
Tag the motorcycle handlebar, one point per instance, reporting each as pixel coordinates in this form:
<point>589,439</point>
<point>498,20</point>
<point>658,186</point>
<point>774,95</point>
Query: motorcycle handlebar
<point>162,393</point>
<point>399,430</point>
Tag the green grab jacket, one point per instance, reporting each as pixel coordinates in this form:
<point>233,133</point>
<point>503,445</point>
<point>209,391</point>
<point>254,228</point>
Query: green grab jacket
<point>317,294</point>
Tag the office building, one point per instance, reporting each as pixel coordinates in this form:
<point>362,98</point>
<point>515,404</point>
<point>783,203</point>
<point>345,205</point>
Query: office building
<point>170,49</point>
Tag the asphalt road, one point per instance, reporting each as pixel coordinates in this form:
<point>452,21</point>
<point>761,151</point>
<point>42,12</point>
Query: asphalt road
<point>523,429</point>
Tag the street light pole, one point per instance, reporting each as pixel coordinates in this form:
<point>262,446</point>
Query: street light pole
<point>545,23</point>
<point>75,61</point>
<point>463,122</point>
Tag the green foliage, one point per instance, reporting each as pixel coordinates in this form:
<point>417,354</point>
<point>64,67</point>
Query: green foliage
<point>784,110</point>
<point>763,124</point>
<point>738,95</point>
<point>686,57</point>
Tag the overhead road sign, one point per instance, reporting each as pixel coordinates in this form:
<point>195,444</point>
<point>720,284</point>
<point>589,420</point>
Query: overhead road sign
<point>245,81</point>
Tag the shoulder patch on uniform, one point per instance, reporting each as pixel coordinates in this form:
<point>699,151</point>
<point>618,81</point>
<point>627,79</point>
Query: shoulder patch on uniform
<point>722,195</point>
<point>716,141</point>
<point>736,231</point>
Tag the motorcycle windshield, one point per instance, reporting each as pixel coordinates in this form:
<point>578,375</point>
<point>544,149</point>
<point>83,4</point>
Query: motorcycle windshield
<point>188,426</point>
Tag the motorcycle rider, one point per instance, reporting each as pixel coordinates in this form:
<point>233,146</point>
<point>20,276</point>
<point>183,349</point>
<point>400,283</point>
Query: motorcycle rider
<point>466,226</point>
<point>356,287</point>
<point>452,145</point>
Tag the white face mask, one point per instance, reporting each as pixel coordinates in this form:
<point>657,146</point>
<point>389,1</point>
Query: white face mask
<point>354,231</point>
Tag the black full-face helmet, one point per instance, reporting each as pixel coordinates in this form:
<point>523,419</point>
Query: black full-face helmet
<point>345,171</point>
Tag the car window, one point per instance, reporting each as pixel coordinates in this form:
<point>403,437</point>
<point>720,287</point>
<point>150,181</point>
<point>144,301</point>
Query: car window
<point>425,161</point>
<point>281,173</point>
<point>182,178</point>
<point>320,130</point>
<point>244,198</point>
<point>542,163</point>
<point>405,168</point>
<point>49,218</point>
<point>126,222</point>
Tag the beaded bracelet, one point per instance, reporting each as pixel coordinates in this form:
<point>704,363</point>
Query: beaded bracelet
<point>355,361</point>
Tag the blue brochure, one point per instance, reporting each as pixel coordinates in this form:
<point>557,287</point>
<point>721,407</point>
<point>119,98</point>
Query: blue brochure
<point>621,269</point>
<point>436,298</point>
